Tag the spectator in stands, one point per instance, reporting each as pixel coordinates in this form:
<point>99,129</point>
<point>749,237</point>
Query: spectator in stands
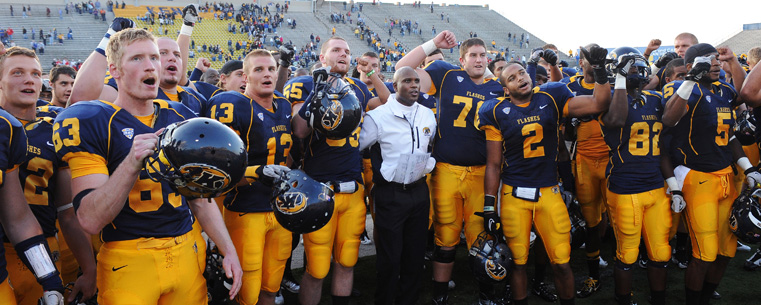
<point>11,10</point>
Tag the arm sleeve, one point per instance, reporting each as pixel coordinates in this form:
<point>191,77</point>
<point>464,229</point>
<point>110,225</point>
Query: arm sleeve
<point>369,133</point>
<point>196,75</point>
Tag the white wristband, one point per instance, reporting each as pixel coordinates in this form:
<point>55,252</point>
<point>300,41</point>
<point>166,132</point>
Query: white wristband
<point>685,90</point>
<point>673,185</point>
<point>620,82</point>
<point>186,30</point>
<point>429,47</point>
<point>744,163</point>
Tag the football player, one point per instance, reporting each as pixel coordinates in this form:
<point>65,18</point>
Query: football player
<point>338,163</point>
<point>20,83</point>
<point>591,157</point>
<point>636,195</point>
<point>523,131</point>
<point>682,42</point>
<point>457,180</point>
<point>46,182</point>
<point>92,73</point>
<point>62,79</point>
<point>145,225</point>
<point>700,111</point>
<point>262,119</point>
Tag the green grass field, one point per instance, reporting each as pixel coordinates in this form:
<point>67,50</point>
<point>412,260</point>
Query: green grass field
<point>737,287</point>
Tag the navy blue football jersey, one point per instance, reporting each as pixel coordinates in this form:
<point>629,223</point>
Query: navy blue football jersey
<point>297,89</point>
<point>207,90</point>
<point>12,153</point>
<point>459,102</point>
<point>333,160</point>
<point>568,72</point>
<point>700,138</point>
<point>48,111</point>
<point>634,165</point>
<point>267,136</point>
<point>39,172</point>
<point>102,130</point>
<point>578,86</point>
<point>529,133</point>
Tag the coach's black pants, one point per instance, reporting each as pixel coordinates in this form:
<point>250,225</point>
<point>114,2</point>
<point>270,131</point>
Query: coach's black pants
<point>401,224</point>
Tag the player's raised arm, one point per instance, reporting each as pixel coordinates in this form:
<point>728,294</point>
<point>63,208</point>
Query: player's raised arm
<point>413,59</point>
<point>93,70</point>
<point>600,99</point>
<point>616,115</point>
<point>751,88</point>
<point>676,107</point>
<point>189,18</point>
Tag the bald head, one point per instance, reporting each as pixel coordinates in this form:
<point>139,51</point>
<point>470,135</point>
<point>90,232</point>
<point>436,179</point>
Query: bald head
<point>406,85</point>
<point>403,73</point>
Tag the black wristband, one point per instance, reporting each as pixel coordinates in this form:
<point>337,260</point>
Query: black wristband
<point>489,200</point>
<point>677,192</point>
<point>749,170</point>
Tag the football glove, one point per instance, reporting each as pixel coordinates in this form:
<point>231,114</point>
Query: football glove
<point>700,68</point>
<point>677,201</point>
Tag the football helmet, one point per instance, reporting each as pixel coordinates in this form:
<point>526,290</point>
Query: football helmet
<point>334,109</point>
<point>745,128</point>
<point>578,224</point>
<point>301,204</point>
<point>615,64</point>
<point>490,258</point>
<point>199,157</point>
<point>745,218</point>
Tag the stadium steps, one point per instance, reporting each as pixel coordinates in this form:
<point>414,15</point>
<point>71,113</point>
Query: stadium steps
<point>743,41</point>
<point>87,31</point>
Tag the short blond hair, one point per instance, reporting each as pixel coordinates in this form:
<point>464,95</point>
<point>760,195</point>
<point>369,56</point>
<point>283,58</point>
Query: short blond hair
<point>689,36</point>
<point>16,51</point>
<point>324,47</point>
<point>252,54</point>
<point>754,55</point>
<point>121,40</point>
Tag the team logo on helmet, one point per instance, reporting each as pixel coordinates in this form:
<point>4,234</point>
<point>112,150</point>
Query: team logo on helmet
<point>333,116</point>
<point>732,223</point>
<point>205,176</point>
<point>291,203</point>
<point>497,272</point>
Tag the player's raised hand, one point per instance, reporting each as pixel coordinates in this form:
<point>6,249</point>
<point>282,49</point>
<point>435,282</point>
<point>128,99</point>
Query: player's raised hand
<point>203,64</point>
<point>550,57</point>
<point>700,68</point>
<point>121,23</point>
<point>725,54</point>
<point>653,45</point>
<point>536,54</point>
<point>189,15</point>
<point>445,40</point>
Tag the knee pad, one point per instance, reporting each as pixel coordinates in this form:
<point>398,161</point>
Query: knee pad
<point>661,253</point>
<point>444,256</point>
<point>623,266</point>
<point>347,253</point>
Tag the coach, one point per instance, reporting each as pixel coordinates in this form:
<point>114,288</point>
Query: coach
<point>400,133</point>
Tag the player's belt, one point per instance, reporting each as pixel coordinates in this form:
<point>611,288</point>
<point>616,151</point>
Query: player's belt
<point>479,170</point>
<point>149,243</point>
